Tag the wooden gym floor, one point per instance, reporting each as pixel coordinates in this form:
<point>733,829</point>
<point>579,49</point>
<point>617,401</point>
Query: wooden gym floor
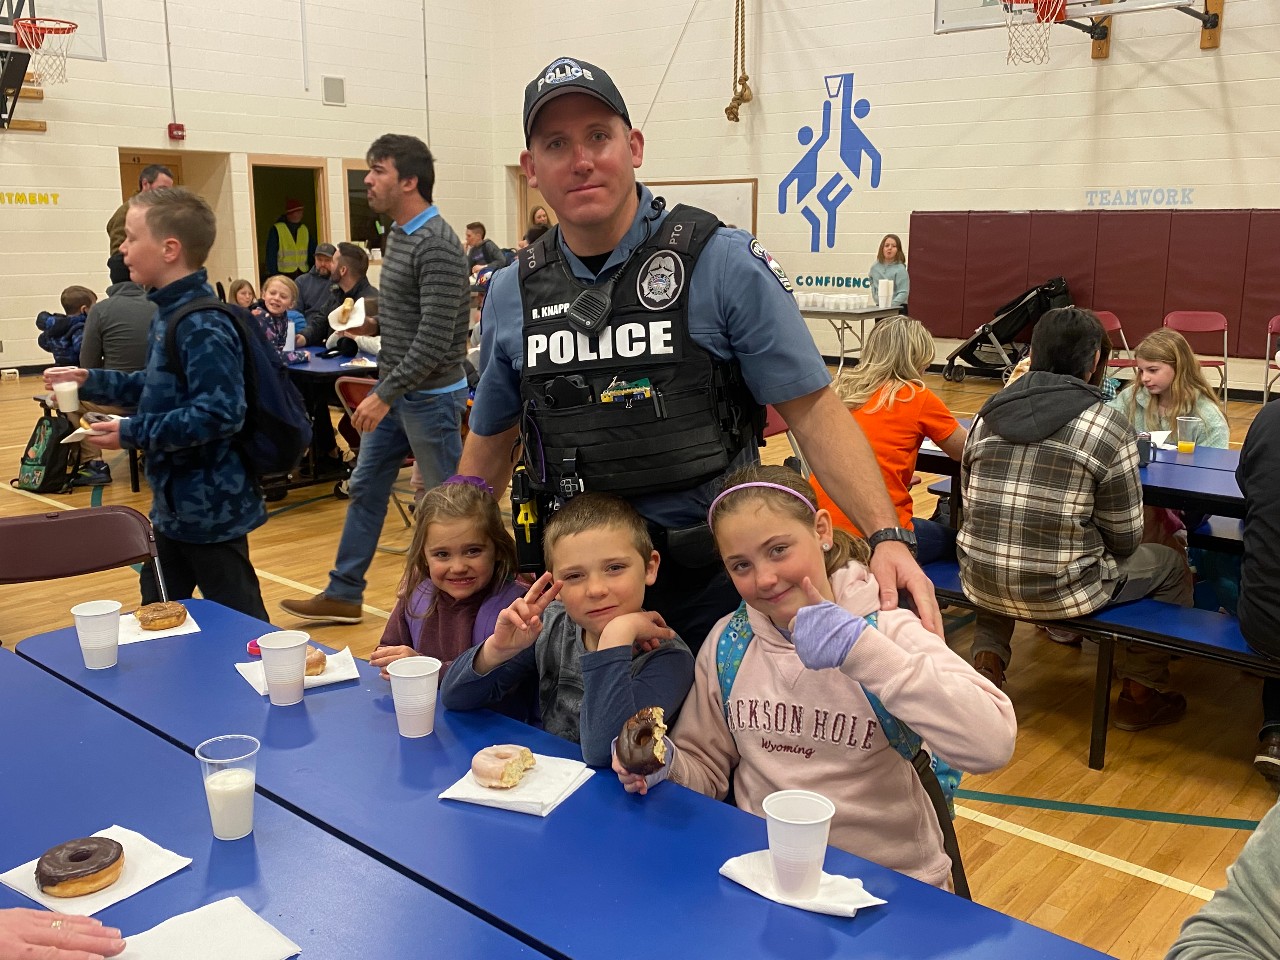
<point>1115,859</point>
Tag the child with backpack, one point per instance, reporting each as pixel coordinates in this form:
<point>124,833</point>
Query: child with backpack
<point>809,685</point>
<point>190,405</point>
<point>62,333</point>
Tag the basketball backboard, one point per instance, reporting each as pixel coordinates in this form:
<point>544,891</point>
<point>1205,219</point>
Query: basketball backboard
<point>956,16</point>
<point>89,42</point>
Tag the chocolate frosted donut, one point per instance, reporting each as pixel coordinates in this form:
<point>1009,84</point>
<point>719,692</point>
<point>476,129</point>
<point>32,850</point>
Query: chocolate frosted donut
<point>79,866</point>
<point>641,748</point>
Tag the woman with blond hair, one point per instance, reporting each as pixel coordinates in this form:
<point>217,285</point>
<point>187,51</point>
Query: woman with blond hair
<point>886,394</point>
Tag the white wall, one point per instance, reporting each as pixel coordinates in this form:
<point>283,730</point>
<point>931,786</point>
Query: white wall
<point>238,77</point>
<point>958,129</point>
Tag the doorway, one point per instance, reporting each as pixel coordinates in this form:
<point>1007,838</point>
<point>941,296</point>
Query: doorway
<point>274,182</point>
<point>525,197</point>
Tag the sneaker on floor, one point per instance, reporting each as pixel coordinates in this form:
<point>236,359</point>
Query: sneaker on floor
<point>1157,709</point>
<point>1064,637</point>
<point>324,609</point>
<point>1267,762</point>
<point>989,665</point>
<point>92,473</point>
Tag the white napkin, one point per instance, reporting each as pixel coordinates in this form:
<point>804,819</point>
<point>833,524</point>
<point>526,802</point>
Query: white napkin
<point>79,433</point>
<point>837,896</point>
<point>224,929</point>
<point>359,362</point>
<point>145,863</point>
<point>132,632</point>
<point>545,786</point>
<point>1160,438</point>
<point>340,666</point>
<point>356,319</point>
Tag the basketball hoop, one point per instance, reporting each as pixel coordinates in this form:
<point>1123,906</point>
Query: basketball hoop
<point>49,42</point>
<point>1029,23</point>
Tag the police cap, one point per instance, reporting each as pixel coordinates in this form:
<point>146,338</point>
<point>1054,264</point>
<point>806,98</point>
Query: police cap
<point>566,75</point>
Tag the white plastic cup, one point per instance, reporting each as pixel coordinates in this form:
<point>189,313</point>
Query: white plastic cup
<point>67,396</point>
<point>229,765</point>
<point>798,823</point>
<point>886,293</point>
<point>414,681</point>
<point>284,661</point>
<point>98,627</point>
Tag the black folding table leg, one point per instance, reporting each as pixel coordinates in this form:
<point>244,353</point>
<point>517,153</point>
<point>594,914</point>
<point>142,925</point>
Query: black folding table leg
<point>1101,701</point>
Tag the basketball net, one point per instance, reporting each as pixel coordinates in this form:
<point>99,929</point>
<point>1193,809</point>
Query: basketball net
<point>1030,23</point>
<point>48,41</point>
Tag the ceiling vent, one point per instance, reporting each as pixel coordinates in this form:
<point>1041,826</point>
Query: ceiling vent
<point>334,91</point>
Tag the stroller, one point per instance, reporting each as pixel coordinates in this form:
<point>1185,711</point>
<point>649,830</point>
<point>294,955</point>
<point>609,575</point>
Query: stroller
<point>991,348</point>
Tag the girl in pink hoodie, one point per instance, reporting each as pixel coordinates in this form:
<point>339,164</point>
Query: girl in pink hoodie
<point>797,715</point>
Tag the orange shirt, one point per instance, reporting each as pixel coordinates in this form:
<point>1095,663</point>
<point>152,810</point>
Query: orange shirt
<point>895,434</point>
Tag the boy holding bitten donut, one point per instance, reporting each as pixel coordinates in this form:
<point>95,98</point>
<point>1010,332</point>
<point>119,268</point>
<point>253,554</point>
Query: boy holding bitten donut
<point>582,629</point>
<point>204,501</point>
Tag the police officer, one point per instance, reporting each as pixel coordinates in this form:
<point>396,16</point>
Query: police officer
<point>630,348</point>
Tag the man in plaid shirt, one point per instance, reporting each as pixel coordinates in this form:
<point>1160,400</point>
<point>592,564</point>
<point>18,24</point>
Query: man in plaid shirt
<point>1053,514</point>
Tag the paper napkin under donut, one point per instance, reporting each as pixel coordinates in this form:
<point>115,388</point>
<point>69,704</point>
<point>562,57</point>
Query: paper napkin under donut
<point>218,931</point>
<point>131,631</point>
<point>544,787</point>
<point>340,666</point>
<point>837,896</point>
<point>145,863</point>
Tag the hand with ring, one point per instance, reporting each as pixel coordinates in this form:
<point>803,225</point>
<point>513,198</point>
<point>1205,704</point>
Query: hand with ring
<point>31,933</point>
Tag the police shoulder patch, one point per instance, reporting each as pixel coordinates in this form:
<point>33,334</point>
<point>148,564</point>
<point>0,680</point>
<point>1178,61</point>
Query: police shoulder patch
<point>758,250</point>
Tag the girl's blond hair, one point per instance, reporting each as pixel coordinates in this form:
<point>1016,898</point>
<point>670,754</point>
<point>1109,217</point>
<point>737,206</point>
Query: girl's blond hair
<point>1189,383</point>
<point>844,546</point>
<point>895,355</point>
<point>457,501</point>
<point>288,285</point>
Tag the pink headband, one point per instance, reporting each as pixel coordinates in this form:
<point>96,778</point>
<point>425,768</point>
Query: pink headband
<point>758,483</point>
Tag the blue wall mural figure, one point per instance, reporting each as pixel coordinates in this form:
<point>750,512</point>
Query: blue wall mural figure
<point>819,205</point>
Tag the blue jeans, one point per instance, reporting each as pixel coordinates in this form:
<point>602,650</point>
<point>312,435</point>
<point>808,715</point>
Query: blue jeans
<point>426,424</point>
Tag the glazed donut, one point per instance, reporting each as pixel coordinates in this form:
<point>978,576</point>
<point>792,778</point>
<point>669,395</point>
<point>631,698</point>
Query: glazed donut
<point>161,616</point>
<point>81,866</point>
<point>641,748</point>
<point>501,767</point>
<point>315,662</point>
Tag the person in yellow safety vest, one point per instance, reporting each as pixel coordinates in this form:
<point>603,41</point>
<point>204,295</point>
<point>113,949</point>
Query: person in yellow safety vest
<point>290,247</point>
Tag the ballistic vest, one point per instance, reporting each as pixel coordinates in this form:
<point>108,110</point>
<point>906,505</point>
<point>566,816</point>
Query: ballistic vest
<point>636,406</point>
<point>291,257</point>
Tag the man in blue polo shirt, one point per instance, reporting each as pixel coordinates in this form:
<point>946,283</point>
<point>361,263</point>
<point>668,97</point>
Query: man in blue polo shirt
<point>622,368</point>
<point>418,403</point>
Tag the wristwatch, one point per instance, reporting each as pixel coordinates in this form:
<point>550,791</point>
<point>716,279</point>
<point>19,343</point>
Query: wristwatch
<point>900,534</point>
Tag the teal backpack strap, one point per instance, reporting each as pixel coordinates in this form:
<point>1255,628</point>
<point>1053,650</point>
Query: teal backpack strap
<point>731,647</point>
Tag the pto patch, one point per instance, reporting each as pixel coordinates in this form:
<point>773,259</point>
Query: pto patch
<point>758,250</point>
<point>660,281</point>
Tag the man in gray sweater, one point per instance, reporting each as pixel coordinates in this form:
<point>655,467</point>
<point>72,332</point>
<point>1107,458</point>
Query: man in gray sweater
<point>421,394</point>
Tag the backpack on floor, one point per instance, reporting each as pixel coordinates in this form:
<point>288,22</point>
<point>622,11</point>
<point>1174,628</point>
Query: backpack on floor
<point>937,777</point>
<point>49,465</point>
<point>277,430</point>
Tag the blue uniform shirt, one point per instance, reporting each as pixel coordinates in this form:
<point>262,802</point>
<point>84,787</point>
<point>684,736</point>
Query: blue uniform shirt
<point>738,307</point>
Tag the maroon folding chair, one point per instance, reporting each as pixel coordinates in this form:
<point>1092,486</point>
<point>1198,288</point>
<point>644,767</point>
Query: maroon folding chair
<point>68,543</point>
<point>1111,324</point>
<point>1203,321</point>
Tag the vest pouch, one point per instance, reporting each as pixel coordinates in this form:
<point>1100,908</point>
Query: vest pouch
<point>630,449</point>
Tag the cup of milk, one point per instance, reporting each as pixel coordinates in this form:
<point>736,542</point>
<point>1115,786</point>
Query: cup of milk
<point>229,766</point>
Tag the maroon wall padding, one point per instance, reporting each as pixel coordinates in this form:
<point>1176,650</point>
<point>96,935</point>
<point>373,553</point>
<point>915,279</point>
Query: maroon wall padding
<point>936,265</point>
<point>1261,300</point>
<point>1064,243</point>
<point>996,268</point>
<point>1129,276</point>
<point>1207,251</point>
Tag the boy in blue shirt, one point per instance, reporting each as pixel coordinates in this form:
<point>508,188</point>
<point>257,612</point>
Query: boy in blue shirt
<point>205,502</point>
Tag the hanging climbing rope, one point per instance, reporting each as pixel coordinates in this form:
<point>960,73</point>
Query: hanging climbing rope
<point>738,82</point>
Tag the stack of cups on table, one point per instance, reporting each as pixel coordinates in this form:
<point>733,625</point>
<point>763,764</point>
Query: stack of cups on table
<point>798,822</point>
<point>284,661</point>
<point>414,681</point>
<point>886,293</point>
<point>98,629</point>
